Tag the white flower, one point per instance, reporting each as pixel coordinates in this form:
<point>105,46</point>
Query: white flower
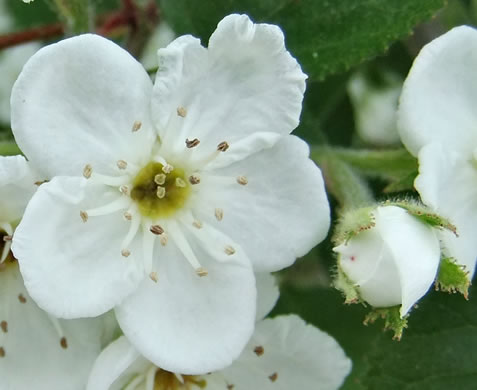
<point>392,263</point>
<point>437,123</point>
<point>189,186</point>
<point>284,353</point>
<point>37,351</point>
<point>375,107</point>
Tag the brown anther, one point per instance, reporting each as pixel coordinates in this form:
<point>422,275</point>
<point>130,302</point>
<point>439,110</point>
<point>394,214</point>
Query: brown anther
<point>84,215</point>
<point>229,250</point>
<point>168,168</point>
<point>127,216</point>
<point>136,126</point>
<point>161,192</point>
<point>163,240</point>
<point>40,182</point>
<point>242,180</point>
<point>259,350</point>
<point>194,179</point>
<point>21,298</point>
<point>124,189</point>
<point>4,326</point>
<point>125,252</point>
<point>153,276</point>
<point>273,377</point>
<point>192,143</point>
<point>87,171</point>
<point>197,224</point>
<point>121,164</point>
<point>7,238</point>
<point>64,343</point>
<point>160,179</point>
<point>2,352</point>
<point>201,272</point>
<point>219,214</point>
<point>180,182</point>
<point>223,146</point>
<point>181,111</point>
<point>156,229</point>
<point>230,387</point>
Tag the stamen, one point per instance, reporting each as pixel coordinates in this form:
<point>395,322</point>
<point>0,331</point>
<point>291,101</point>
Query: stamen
<point>124,189</point>
<point>115,205</point>
<point>161,192</point>
<point>197,224</point>
<point>87,171</point>
<point>223,146</point>
<point>136,382</point>
<point>184,247</point>
<point>150,377</point>
<point>4,326</point>
<point>6,250</point>
<point>147,248</point>
<point>219,214</point>
<point>180,182</point>
<point>180,378</point>
<point>201,272</point>
<point>156,229</point>
<point>21,298</point>
<point>160,179</point>
<point>133,228</point>
<point>194,179</point>
<point>153,276</point>
<point>229,250</point>
<point>181,111</point>
<point>84,215</point>
<point>192,143</point>
<point>127,215</point>
<point>259,350</point>
<point>64,343</point>
<point>125,253</point>
<point>273,377</point>
<point>40,182</point>
<point>2,352</point>
<point>242,180</point>
<point>136,126</point>
<point>7,238</point>
<point>168,168</point>
<point>122,164</point>
<point>7,228</point>
<point>163,240</point>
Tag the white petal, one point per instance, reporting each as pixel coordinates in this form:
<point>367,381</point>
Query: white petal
<point>190,324</point>
<point>34,357</point>
<point>447,182</point>
<point>280,214</point>
<point>437,103</point>
<point>301,356</point>
<point>76,102</point>
<point>245,84</point>
<point>17,185</point>
<point>116,365</point>
<point>267,294</point>
<point>71,268</point>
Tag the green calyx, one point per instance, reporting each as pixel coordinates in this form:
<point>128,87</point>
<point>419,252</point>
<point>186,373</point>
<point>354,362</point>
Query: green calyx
<point>392,320</point>
<point>352,223</point>
<point>452,277</point>
<point>348,289</point>
<point>160,191</point>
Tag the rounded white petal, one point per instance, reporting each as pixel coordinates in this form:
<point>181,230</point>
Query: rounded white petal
<point>17,185</point>
<point>244,85</point>
<point>190,324</point>
<point>33,353</point>
<point>280,214</point>
<point>74,269</point>
<point>75,103</point>
<point>267,294</point>
<point>295,356</point>
<point>393,263</point>
<point>447,182</point>
<point>437,103</point>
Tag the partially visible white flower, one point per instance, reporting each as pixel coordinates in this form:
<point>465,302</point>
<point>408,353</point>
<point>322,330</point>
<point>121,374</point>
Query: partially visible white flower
<point>375,107</point>
<point>161,37</point>
<point>392,262</point>
<point>165,199</point>
<point>284,353</point>
<point>37,351</point>
<point>437,123</point>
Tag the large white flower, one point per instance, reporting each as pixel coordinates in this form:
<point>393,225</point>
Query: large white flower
<point>437,123</point>
<point>189,186</point>
<point>284,353</point>
<point>37,351</point>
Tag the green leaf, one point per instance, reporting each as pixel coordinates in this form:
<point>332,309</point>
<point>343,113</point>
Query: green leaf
<point>326,36</point>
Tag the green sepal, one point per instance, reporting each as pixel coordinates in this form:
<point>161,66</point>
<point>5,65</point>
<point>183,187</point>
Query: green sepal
<point>392,319</point>
<point>352,223</point>
<point>452,277</point>
<point>424,214</point>
<point>347,288</point>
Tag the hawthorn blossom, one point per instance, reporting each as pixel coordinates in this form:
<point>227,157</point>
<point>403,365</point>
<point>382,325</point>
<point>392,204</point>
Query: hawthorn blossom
<point>165,199</point>
<point>37,351</point>
<point>284,353</point>
<point>393,261</point>
<point>437,124</point>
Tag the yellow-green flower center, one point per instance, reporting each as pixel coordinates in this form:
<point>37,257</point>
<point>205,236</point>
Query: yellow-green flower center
<point>165,380</point>
<point>160,190</point>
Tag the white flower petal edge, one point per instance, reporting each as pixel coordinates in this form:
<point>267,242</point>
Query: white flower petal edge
<point>447,183</point>
<point>282,211</point>
<point>81,106</point>
<point>267,294</point>
<point>38,351</point>
<point>437,102</point>
<point>245,89</point>
<point>284,353</point>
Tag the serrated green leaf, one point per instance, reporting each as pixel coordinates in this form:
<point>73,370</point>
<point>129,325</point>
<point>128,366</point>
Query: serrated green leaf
<point>326,36</point>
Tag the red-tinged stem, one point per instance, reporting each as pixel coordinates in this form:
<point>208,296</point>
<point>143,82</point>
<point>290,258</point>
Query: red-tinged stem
<point>34,34</point>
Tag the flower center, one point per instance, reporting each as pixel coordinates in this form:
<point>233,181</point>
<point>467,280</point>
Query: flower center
<point>165,380</point>
<point>159,190</point>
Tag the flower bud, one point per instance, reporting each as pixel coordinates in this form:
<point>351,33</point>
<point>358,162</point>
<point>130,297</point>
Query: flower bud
<point>392,261</point>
